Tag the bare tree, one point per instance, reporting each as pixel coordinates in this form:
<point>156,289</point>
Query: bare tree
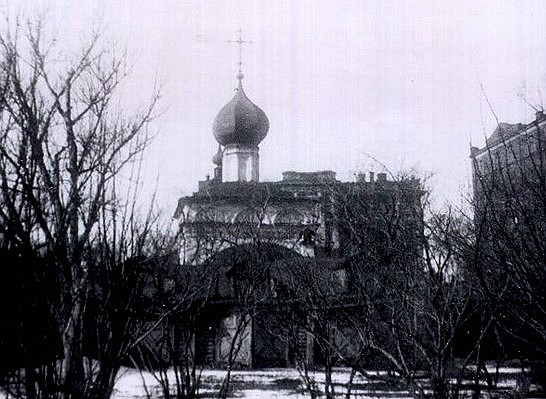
<point>63,141</point>
<point>179,295</point>
<point>242,248</point>
<point>309,311</point>
<point>510,214</point>
<point>407,297</point>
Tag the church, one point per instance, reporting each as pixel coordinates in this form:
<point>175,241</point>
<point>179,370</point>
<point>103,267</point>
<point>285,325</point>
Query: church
<point>254,236</point>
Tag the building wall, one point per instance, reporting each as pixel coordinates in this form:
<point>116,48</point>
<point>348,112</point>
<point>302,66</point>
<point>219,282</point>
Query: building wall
<point>510,167</point>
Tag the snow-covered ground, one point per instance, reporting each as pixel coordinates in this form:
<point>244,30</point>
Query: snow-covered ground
<point>271,383</point>
<point>277,383</point>
<point>281,383</point>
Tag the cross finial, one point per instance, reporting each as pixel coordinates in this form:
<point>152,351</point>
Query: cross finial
<point>240,42</point>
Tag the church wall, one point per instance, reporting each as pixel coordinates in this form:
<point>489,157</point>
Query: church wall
<point>207,229</point>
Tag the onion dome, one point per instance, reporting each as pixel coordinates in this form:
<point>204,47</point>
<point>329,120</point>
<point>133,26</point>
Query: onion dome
<point>240,121</point>
<point>217,158</point>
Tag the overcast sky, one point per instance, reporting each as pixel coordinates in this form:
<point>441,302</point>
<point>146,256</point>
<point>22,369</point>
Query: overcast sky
<point>342,82</point>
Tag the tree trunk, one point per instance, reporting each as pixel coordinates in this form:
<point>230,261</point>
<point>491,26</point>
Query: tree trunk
<point>74,379</point>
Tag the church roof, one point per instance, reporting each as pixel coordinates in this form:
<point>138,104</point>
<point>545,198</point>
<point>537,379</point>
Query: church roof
<point>240,121</point>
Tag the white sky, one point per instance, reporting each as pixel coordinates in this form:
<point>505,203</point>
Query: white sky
<point>339,80</point>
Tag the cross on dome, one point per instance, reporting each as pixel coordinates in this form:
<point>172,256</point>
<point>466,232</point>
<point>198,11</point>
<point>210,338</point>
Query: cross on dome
<point>240,42</point>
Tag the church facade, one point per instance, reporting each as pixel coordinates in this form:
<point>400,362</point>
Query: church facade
<point>254,235</point>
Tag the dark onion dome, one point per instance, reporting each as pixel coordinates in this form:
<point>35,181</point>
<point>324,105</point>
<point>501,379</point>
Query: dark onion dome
<point>217,158</point>
<point>240,121</point>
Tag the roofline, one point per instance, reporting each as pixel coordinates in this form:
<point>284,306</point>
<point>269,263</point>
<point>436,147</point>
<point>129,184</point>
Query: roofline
<point>476,152</point>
